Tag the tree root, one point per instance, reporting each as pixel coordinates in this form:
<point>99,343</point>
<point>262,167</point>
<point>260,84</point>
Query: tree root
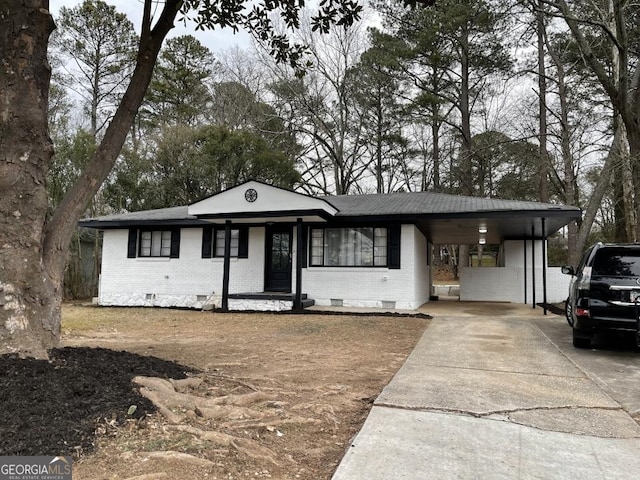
<point>173,456</point>
<point>217,412</point>
<point>233,410</point>
<point>186,383</point>
<point>243,399</point>
<point>169,397</point>
<point>164,411</point>
<point>149,476</point>
<point>243,445</point>
<point>269,423</point>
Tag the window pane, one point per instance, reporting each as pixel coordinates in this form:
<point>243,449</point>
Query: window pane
<point>381,237</point>
<point>332,250</point>
<point>165,249</point>
<point>317,247</point>
<point>156,242</point>
<point>145,244</point>
<point>219,245</point>
<point>366,247</point>
<point>235,242</point>
<point>380,248</point>
<point>616,263</point>
<point>354,247</point>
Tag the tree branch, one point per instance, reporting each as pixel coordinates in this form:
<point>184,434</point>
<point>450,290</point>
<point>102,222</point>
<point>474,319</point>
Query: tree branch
<point>60,228</point>
<point>617,96</point>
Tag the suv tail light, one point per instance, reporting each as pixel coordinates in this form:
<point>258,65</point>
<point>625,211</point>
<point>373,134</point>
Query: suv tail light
<point>582,312</point>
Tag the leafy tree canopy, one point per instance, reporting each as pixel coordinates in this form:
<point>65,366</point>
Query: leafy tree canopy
<point>191,163</point>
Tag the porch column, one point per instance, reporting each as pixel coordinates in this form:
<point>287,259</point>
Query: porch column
<point>544,266</point>
<point>297,304</point>
<point>227,265</point>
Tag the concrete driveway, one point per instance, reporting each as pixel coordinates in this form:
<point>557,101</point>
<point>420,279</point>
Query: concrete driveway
<point>498,392</point>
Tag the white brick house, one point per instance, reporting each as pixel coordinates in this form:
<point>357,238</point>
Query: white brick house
<point>256,246</point>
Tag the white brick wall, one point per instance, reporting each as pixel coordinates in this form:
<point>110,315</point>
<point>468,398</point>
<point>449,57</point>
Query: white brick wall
<point>175,281</point>
<point>507,284</point>
<point>179,281</point>
<point>408,286</point>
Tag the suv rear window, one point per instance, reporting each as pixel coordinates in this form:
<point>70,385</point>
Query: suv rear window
<point>616,263</point>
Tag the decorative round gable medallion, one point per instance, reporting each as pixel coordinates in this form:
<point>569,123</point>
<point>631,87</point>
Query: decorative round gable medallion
<point>250,195</point>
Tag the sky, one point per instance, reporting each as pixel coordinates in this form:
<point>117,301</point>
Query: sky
<point>217,40</point>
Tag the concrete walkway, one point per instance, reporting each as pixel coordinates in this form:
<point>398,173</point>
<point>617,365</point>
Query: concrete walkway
<point>493,396</point>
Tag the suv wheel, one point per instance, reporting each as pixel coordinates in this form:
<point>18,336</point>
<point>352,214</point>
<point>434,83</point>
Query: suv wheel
<point>568,312</point>
<point>581,342</point>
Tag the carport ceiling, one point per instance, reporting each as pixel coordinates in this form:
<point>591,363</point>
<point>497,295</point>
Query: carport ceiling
<point>466,230</point>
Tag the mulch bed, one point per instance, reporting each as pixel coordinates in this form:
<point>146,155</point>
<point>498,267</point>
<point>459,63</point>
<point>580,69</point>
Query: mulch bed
<point>54,407</point>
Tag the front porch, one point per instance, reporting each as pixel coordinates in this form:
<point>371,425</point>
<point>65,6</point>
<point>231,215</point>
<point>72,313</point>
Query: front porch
<point>267,301</point>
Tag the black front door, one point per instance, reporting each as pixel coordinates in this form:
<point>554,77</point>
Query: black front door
<point>278,259</point>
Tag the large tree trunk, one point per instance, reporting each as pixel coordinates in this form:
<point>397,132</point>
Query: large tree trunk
<point>33,251</point>
<point>436,123</point>
<point>466,151</point>
<point>596,197</point>
<point>543,167</point>
<point>30,296</point>
<point>633,136</point>
<point>624,192</point>
<point>570,184</point>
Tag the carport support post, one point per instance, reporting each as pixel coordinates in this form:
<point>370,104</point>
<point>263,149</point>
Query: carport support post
<point>525,270</point>
<point>533,265</point>
<point>297,304</point>
<point>227,265</point>
<point>544,266</point>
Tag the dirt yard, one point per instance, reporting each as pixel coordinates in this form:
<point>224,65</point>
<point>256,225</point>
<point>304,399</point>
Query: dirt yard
<point>274,396</point>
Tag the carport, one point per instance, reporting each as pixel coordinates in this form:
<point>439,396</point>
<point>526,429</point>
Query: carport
<point>519,228</point>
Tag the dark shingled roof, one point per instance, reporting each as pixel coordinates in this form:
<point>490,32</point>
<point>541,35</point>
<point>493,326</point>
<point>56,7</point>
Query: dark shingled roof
<point>410,205</point>
<point>421,203</point>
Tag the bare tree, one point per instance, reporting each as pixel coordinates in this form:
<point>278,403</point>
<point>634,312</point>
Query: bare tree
<point>618,72</point>
<point>321,110</point>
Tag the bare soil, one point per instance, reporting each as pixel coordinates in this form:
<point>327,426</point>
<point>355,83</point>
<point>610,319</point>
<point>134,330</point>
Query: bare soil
<point>270,395</point>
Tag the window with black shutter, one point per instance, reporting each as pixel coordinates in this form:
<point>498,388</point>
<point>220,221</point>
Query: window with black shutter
<point>213,241</point>
<point>153,243</point>
<point>355,247</point>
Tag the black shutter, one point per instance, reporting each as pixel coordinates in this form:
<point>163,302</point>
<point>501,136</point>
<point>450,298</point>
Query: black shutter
<point>207,244</point>
<point>175,243</point>
<point>243,242</point>
<point>132,245</point>
<point>393,246</point>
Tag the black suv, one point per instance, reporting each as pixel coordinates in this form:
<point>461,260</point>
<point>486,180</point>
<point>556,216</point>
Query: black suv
<point>604,293</point>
